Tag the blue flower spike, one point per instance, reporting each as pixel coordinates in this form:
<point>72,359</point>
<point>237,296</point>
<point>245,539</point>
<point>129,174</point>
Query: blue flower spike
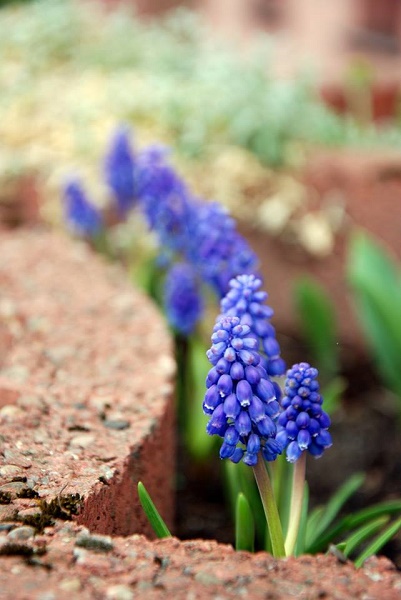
<point>82,217</point>
<point>182,299</point>
<point>303,424</point>
<point>246,300</point>
<point>302,428</point>
<point>240,398</point>
<point>216,248</point>
<point>119,170</point>
<point>242,405</point>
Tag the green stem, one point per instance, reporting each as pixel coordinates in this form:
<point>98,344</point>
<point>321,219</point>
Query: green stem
<point>297,494</point>
<point>270,507</point>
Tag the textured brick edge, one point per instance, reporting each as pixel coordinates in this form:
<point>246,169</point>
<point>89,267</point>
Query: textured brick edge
<point>86,390</point>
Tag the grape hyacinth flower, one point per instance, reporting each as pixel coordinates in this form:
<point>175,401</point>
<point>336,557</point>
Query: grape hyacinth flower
<point>182,299</point>
<point>164,199</point>
<point>302,427</point>
<point>119,172</point>
<point>82,217</point>
<point>216,248</point>
<point>246,301</point>
<point>303,424</point>
<point>240,398</point>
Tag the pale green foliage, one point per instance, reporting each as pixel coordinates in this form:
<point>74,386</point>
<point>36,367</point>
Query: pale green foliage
<point>168,73</point>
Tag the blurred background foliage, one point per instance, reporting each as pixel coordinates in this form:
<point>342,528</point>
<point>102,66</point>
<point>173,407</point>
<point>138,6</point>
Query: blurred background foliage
<point>70,71</point>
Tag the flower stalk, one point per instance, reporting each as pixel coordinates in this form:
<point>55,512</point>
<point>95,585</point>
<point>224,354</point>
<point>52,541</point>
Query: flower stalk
<point>270,508</point>
<point>297,495</point>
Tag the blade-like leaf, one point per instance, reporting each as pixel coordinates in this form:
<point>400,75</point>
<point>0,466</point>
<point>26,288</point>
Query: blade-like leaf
<point>361,534</point>
<point>332,393</point>
<point>376,282</point>
<point>378,542</point>
<point>244,525</point>
<point>371,512</point>
<point>199,444</point>
<point>350,522</point>
<point>155,520</point>
<point>311,523</point>
<point>317,321</point>
<point>332,509</point>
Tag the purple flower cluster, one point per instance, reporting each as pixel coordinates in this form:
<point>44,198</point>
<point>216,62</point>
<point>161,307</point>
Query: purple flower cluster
<point>216,248</point>
<point>182,298</point>
<point>164,200</point>
<point>303,424</point>
<point>240,398</point>
<point>246,407</point>
<point>188,229</point>
<point>119,171</point>
<point>81,216</point>
<point>246,301</point>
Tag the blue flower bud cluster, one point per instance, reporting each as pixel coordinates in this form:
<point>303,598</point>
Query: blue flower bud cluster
<point>216,248</point>
<point>183,301</point>
<point>165,201</point>
<point>240,398</point>
<point>81,215</point>
<point>303,424</point>
<point>119,172</point>
<point>246,407</point>
<point>246,301</point>
<point>189,230</point>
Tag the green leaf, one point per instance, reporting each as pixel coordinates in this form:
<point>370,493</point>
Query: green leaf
<point>311,524</point>
<point>376,282</point>
<point>199,444</point>
<point>377,510</point>
<point>349,522</point>
<point>378,543</point>
<point>357,537</point>
<point>332,509</point>
<point>318,323</point>
<point>239,478</point>
<point>332,393</point>
<point>155,520</point>
<point>244,525</point>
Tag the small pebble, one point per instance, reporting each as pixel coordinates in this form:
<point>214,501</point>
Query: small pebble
<point>6,527</point>
<point>17,459</point>
<point>18,373</point>
<point>10,412</point>
<point>98,543</point>
<point>58,354</point>
<point>117,424</point>
<point>10,471</point>
<point>14,488</point>
<point>21,533</point>
<point>29,401</point>
<point>31,512</point>
<point>70,585</point>
<point>206,578</point>
<point>119,592</point>
<point>82,441</point>
<point>8,512</point>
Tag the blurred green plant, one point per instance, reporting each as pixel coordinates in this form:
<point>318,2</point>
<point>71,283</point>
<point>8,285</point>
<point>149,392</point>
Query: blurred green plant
<point>375,280</point>
<point>317,323</point>
<point>170,73</point>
